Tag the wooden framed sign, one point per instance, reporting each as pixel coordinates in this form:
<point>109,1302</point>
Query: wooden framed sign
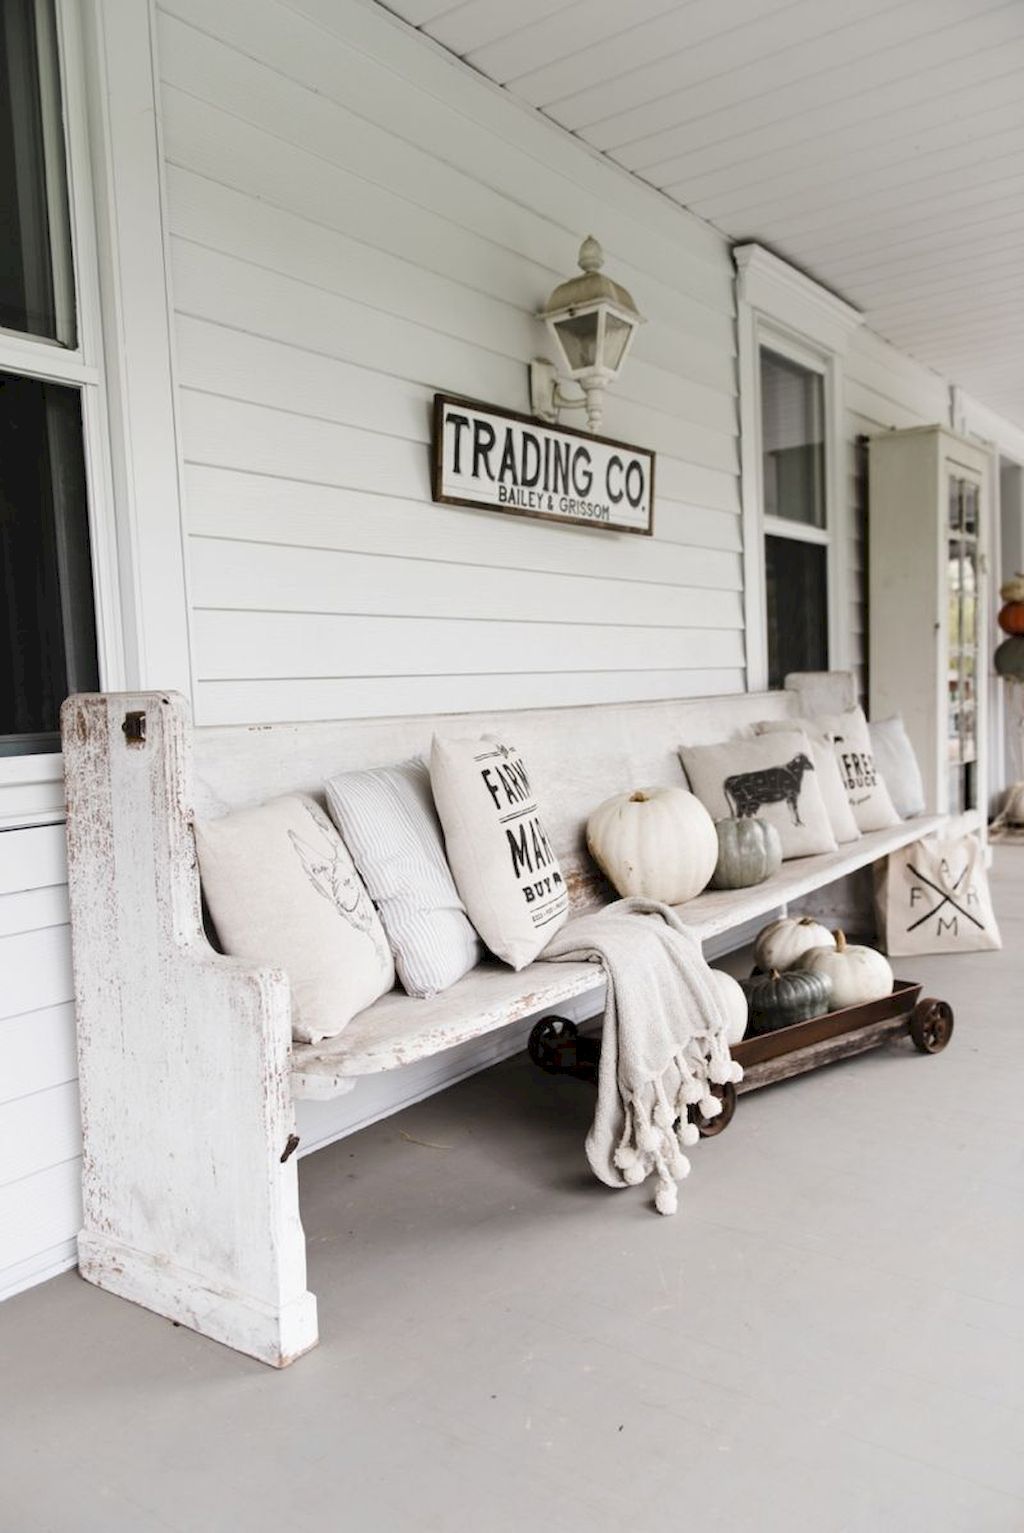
<point>501,461</point>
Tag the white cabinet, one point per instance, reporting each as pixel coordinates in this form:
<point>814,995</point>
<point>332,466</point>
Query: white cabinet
<point>928,623</point>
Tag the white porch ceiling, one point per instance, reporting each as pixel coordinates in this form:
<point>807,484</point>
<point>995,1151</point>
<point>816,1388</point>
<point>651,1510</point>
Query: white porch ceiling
<point>878,146</point>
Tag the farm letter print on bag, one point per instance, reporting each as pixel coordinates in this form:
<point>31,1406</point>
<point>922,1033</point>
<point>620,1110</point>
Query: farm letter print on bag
<point>499,852</point>
<point>933,897</point>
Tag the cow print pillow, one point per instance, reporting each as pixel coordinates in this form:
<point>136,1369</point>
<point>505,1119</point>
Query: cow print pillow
<point>830,782</point>
<point>771,777</point>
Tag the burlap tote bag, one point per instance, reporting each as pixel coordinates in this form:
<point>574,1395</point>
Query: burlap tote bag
<point>933,897</point>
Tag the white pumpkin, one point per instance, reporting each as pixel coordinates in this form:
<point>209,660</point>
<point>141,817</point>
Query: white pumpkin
<point>657,842</point>
<point>734,1004</point>
<point>781,944</point>
<point>1013,589</point>
<point>1013,809</point>
<point>858,974</point>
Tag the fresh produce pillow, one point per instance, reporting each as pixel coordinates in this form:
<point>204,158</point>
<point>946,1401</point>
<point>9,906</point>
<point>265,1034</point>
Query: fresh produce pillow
<point>771,776</point>
<point>498,851</point>
<point>282,892</point>
<point>866,790</point>
<point>387,818</point>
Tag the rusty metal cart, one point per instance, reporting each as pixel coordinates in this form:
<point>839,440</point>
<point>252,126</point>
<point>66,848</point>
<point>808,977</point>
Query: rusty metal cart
<point>557,1046</point>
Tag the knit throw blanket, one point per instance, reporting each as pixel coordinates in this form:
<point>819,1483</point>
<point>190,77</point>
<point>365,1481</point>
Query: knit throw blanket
<point>663,1044</point>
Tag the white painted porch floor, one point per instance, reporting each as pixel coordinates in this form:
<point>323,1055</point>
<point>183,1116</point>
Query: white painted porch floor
<point>830,1335</point>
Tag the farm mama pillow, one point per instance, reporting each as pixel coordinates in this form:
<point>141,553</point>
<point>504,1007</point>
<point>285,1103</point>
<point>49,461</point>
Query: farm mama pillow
<point>771,776</point>
<point>498,851</point>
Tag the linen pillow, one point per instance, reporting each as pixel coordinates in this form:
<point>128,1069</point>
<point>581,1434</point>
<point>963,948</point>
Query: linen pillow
<point>895,759</point>
<point>388,822</point>
<point>771,776</point>
<point>865,787</point>
<point>833,789</point>
<point>282,891</point>
<point>499,854</point>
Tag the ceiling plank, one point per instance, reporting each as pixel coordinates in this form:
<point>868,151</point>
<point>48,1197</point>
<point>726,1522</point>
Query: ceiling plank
<point>891,49</point>
<point>476,23</point>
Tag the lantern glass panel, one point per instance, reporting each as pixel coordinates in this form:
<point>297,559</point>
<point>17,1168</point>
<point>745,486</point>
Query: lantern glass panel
<point>616,337</point>
<point>577,336</point>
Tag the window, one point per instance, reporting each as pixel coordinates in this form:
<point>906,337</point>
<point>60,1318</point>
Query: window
<point>793,335</point>
<point>795,514</point>
<point>47,628</point>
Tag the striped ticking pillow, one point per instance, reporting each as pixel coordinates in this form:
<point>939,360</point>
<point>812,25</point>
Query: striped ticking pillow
<point>387,819</point>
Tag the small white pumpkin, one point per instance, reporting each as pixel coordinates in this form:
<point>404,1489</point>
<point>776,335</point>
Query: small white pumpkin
<point>858,974</point>
<point>734,1004</point>
<point>781,944</point>
<point>1013,589</point>
<point>657,842</point>
<point>1013,809</point>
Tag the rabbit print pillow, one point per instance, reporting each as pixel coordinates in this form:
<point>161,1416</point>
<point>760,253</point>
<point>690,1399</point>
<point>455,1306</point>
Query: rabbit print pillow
<point>282,891</point>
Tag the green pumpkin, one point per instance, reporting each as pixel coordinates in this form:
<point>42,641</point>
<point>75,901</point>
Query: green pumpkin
<point>778,1000</point>
<point>749,851</point>
<point>1009,658</point>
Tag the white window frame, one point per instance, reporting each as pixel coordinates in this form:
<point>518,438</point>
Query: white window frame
<point>781,310</point>
<point>29,783</point>
<point>124,365</point>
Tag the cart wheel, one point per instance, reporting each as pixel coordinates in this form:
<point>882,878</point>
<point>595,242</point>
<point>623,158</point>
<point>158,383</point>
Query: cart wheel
<point>709,1127</point>
<point>931,1025</point>
<point>548,1038</point>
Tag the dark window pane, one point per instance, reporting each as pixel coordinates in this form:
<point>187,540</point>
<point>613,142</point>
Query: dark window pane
<point>36,287</point>
<point>47,626</point>
<point>792,440</point>
<point>797,582</point>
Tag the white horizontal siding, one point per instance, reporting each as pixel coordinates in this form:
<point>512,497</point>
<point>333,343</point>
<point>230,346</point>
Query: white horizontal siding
<point>31,791</point>
<point>308,645</point>
<point>270,579</point>
<point>289,375</point>
<point>40,1139</point>
<point>347,238</point>
<point>246,506</point>
<point>234,702</point>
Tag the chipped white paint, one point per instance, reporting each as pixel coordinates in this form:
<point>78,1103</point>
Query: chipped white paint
<point>183,1056</point>
<point>397,1030</point>
<point>187,1067</point>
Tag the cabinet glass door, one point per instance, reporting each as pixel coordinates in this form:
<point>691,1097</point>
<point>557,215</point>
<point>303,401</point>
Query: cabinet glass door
<point>962,672</point>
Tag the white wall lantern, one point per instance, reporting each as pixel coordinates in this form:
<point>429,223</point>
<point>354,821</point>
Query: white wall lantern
<point>592,321</point>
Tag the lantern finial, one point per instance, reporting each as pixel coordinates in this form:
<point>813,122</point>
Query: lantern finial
<point>591,256</point>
